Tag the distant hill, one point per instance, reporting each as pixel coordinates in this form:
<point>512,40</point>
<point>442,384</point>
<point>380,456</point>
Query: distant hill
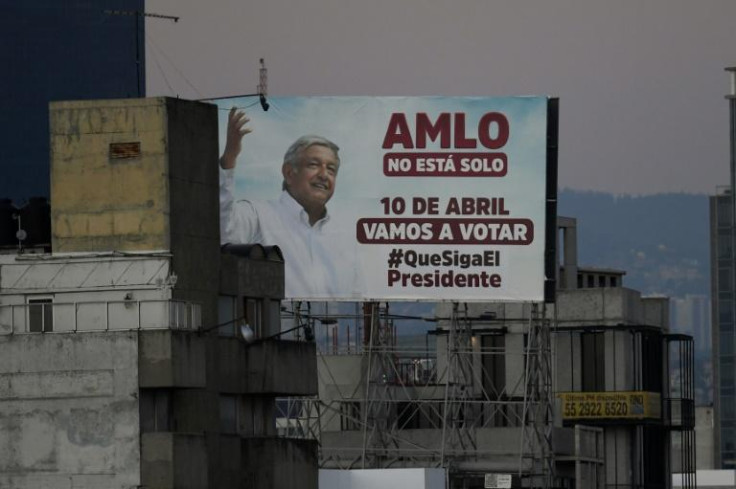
<point>661,241</point>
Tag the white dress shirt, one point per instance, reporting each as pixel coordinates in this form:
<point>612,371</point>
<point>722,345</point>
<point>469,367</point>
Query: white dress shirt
<point>320,260</point>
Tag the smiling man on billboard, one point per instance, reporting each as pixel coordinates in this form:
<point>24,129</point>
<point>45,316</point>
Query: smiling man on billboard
<point>317,262</point>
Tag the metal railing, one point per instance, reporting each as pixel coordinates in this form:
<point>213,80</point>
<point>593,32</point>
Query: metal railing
<point>58,317</point>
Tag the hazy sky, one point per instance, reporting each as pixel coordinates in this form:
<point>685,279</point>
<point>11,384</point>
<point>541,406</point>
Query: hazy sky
<point>641,83</point>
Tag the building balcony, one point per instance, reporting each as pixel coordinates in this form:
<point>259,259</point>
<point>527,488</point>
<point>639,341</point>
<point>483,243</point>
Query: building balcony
<point>45,316</point>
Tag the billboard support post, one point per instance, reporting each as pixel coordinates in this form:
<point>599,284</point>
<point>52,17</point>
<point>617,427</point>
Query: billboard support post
<point>536,441</point>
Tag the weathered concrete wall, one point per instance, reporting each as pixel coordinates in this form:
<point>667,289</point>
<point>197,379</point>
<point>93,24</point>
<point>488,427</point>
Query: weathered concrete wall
<point>601,306</point>
<point>280,463</point>
<point>100,203</point>
<point>282,368</point>
<point>704,421</point>
<point>237,273</point>
<point>656,311</point>
<point>194,202</point>
<point>69,411</point>
<point>172,359</point>
<point>618,449</point>
<point>174,461</point>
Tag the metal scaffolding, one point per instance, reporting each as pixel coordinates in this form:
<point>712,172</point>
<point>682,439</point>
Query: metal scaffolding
<point>435,407</point>
<point>536,442</point>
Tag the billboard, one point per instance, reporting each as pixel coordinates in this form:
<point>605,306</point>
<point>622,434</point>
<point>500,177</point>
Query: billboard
<point>393,198</point>
<point>610,405</point>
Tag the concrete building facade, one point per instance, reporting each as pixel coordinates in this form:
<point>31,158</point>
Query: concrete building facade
<point>121,365</point>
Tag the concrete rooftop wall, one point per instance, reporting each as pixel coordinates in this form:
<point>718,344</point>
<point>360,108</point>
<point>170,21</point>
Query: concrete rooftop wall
<point>69,411</point>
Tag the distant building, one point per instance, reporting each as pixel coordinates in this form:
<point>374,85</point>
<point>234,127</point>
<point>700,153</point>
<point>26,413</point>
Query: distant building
<point>691,315</point>
<point>59,50</point>
<point>121,361</point>
<point>723,296</point>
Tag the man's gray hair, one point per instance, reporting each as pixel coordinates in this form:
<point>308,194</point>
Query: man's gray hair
<point>300,145</point>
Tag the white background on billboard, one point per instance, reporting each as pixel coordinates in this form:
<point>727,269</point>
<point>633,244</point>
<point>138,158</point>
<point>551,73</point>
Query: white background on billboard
<point>358,125</point>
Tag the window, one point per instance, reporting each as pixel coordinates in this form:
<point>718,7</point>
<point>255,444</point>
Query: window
<point>225,313</point>
<point>724,279</point>
<point>725,312</point>
<point>724,244</point>
<point>726,343</point>
<point>651,362</point>
<point>156,410</point>
<point>728,407</point>
<point>592,359</point>
<point>613,282</point>
<point>228,413</point>
<point>254,315</point>
<point>40,315</point>
<point>727,372</point>
<point>274,316</point>
<point>724,211</point>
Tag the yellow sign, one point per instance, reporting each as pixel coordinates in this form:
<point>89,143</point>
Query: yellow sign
<point>610,405</point>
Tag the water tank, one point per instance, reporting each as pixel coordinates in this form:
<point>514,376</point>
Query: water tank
<point>36,221</point>
<point>8,225</point>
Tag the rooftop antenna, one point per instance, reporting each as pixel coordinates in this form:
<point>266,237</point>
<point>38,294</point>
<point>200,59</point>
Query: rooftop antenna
<point>21,234</point>
<point>261,89</point>
<point>263,85</point>
<point>138,15</point>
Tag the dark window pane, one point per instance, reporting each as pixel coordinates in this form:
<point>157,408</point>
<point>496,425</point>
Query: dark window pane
<point>724,211</point>
<point>40,315</point>
<point>228,414</point>
<point>725,312</point>
<point>592,353</point>
<point>724,244</point>
<point>724,279</point>
<point>155,410</point>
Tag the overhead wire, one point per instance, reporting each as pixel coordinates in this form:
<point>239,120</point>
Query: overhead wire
<point>173,65</point>
<point>161,70</point>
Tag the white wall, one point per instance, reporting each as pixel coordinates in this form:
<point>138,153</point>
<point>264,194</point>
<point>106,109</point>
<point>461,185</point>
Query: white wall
<point>382,479</point>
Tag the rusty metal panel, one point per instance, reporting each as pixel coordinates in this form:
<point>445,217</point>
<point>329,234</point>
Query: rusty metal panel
<point>121,151</point>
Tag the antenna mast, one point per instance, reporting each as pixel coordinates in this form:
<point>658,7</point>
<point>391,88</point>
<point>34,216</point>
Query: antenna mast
<point>263,85</point>
<point>138,15</point>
